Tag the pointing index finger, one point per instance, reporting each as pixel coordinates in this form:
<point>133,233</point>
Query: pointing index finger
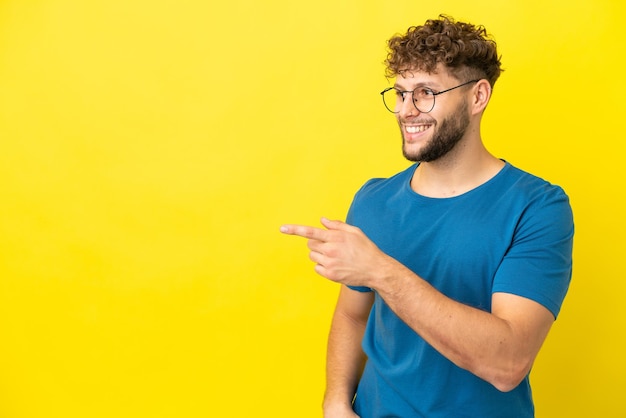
<point>303,231</point>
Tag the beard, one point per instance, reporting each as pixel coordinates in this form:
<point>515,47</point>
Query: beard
<point>445,137</point>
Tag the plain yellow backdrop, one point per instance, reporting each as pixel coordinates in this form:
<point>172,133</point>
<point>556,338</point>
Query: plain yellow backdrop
<point>150,150</point>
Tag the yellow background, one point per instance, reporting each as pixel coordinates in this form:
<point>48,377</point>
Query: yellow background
<point>149,151</point>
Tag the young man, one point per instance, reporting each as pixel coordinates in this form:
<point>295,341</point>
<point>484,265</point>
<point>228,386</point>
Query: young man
<point>453,270</point>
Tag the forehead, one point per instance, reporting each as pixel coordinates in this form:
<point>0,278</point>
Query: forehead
<point>414,78</point>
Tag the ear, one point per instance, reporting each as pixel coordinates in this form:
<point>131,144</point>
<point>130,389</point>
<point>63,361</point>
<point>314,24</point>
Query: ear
<point>481,93</point>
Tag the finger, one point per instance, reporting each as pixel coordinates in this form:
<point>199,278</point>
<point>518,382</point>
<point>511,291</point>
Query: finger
<point>334,224</point>
<point>316,257</point>
<point>304,231</point>
<point>315,245</point>
<point>321,270</point>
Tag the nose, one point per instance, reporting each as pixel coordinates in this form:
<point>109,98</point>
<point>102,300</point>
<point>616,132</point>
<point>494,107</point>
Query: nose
<point>407,107</point>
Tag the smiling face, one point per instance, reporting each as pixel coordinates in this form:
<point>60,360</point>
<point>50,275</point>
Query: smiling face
<point>430,136</point>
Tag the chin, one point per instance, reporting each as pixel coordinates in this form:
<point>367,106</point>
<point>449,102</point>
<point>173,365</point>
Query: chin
<point>411,154</point>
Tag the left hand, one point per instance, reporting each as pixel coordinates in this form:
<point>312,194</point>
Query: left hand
<point>342,252</point>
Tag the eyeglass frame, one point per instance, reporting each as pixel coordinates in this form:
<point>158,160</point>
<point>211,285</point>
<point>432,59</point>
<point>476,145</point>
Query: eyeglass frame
<point>434,93</point>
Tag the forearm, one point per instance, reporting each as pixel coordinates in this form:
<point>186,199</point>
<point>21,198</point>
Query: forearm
<point>345,358</point>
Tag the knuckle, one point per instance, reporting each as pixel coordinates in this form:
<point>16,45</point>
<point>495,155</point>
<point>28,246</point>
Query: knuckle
<point>332,251</point>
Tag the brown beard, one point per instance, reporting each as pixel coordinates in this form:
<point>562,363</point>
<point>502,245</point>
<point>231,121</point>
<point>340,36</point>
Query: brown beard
<point>447,134</point>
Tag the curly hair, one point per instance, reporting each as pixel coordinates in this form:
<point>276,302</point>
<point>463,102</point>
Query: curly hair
<point>467,51</point>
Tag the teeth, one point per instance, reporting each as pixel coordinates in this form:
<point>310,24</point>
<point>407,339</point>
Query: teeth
<point>415,129</point>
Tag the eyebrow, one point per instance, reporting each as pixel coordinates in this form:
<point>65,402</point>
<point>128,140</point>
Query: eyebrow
<point>427,85</point>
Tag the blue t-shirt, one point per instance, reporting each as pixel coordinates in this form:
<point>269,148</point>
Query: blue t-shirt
<point>512,234</point>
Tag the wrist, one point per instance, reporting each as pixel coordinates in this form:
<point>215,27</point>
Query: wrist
<point>337,399</point>
<point>336,408</point>
<point>387,277</point>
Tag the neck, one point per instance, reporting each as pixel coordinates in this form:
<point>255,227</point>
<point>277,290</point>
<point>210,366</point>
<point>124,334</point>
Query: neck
<point>466,167</point>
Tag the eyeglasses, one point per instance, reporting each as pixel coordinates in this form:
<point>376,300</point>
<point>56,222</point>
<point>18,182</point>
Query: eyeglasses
<point>423,97</point>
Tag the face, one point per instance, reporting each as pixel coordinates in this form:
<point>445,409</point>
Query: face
<point>429,136</point>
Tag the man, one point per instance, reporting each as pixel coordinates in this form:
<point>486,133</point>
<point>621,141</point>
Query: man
<point>453,270</point>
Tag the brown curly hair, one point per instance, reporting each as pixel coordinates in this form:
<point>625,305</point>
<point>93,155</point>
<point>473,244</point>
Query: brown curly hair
<point>467,51</point>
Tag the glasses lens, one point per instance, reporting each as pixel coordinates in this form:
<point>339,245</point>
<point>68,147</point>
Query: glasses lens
<point>423,99</point>
<point>392,99</point>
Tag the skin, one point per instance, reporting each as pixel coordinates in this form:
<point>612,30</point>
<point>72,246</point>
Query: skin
<point>498,346</point>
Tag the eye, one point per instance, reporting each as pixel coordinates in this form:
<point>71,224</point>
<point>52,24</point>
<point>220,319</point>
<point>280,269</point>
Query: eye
<point>424,93</point>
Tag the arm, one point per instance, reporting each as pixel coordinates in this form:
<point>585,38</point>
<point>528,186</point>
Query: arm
<point>499,347</point>
<point>345,358</point>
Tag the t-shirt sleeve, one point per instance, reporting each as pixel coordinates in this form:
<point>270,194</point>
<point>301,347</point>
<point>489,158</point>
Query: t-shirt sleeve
<point>350,220</point>
<point>538,265</point>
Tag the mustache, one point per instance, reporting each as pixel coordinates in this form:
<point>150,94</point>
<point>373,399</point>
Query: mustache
<point>416,121</point>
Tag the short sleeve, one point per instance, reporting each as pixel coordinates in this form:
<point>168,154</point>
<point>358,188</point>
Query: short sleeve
<point>538,265</point>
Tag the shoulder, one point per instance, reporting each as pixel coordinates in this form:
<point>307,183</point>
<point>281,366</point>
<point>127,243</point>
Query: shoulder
<point>544,215</point>
<point>531,184</point>
<point>531,191</point>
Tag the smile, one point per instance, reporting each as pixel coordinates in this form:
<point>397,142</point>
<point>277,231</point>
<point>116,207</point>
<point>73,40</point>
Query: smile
<point>416,129</point>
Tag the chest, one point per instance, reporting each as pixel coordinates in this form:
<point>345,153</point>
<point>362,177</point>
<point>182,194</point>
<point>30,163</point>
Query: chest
<point>457,247</point>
